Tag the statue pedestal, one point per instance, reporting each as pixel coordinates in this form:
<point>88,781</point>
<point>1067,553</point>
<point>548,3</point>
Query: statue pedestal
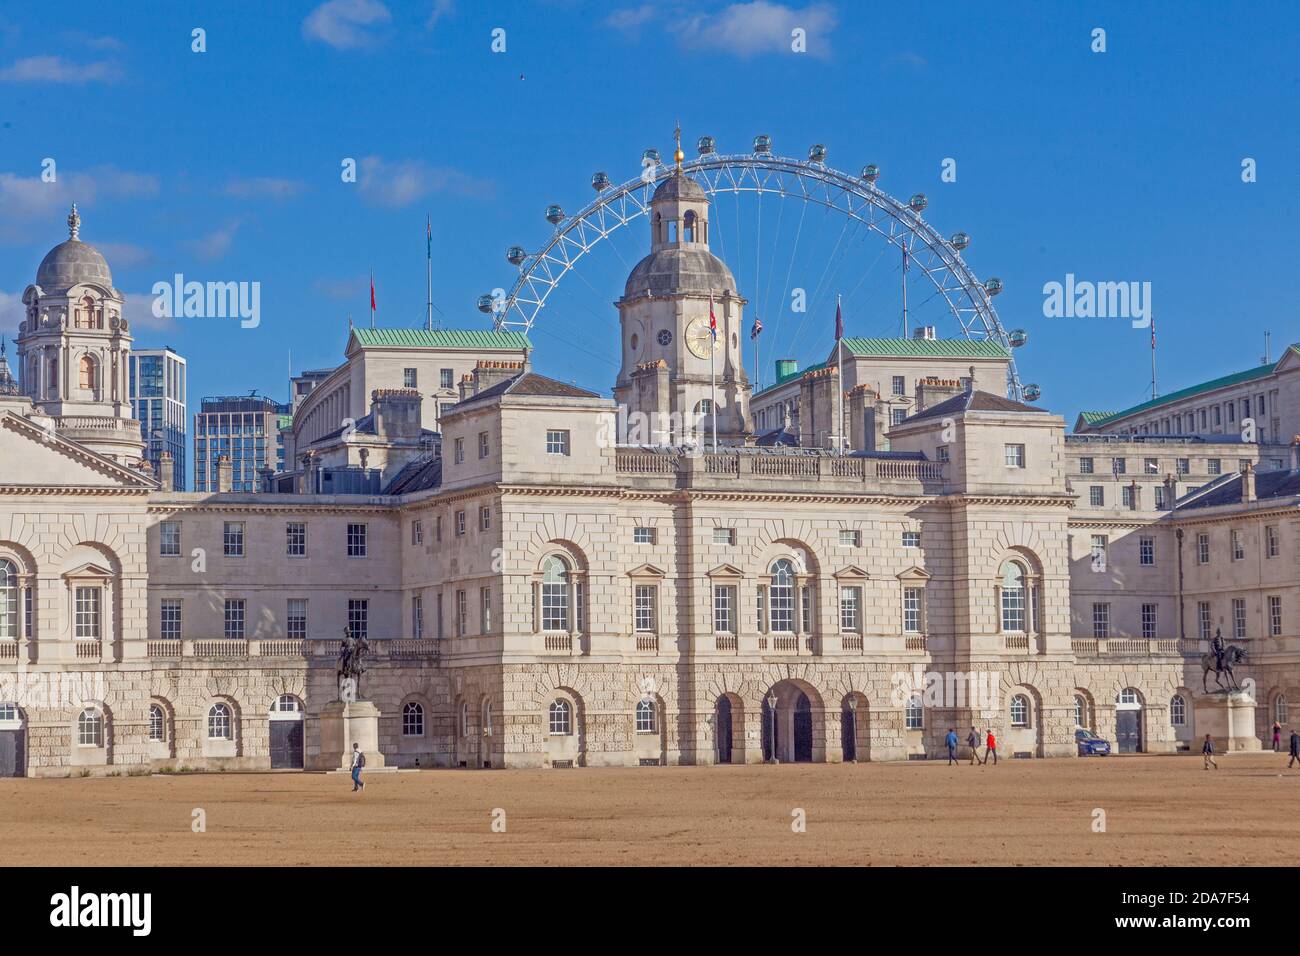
<point>343,723</point>
<point>1230,719</point>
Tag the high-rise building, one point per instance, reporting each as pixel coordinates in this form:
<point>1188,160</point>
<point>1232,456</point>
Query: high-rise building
<point>157,391</point>
<point>246,428</point>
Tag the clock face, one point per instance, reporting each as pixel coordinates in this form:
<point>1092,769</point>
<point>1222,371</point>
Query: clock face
<point>665,338</point>
<point>698,339</point>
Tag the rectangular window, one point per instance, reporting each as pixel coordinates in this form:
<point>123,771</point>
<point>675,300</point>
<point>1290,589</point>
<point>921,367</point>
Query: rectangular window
<point>911,539</point>
<point>1126,496</point>
<point>806,609</point>
<point>557,441</point>
<point>484,445</point>
<point>295,619</point>
<point>359,617</point>
<point>899,385</point>
<point>1099,544</point>
<point>643,535</point>
<point>1119,466</point>
<point>1149,612</point>
<point>233,539</point>
<point>1101,620</point>
<point>356,541</point>
<point>897,416</point>
<point>645,614</point>
<point>233,619</point>
<point>295,539</point>
<point>1013,456</point>
<point>1274,615</point>
<point>1085,466</point>
<point>760,602</point>
<point>1147,550</point>
<point>911,610</point>
<point>1202,549</point>
<point>462,614</point>
<point>1214,466</point>
<point>941,453</point>
<point>485,610</point>
<point>1160,497</point>
<point>409,378</point>
<point>1239,618</point>
<point>417,617</point>
<point>724,609</point>
<point>1238,547</point>
<point>417,531</point>
<point>1151,466</point>
<point>445,377</point>
<point>485,518</point>
<point>437,623</point>
<point>850,609</point>
<point>460,450</point>
<point>724,536</point>
<point>850,539</point>
<point>1270,541</point>
<point>437,528</point>
<point>460,524</point>
<point>1183,466</point>
<point>169,623</point>
<point>169,539</point>
<point>1096,496</point>
<point>1204,622</point>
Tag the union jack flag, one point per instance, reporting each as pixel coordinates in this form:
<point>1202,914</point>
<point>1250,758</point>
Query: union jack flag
<point>757,328</point>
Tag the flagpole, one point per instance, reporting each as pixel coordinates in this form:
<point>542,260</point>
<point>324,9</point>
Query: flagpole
<point>839,362</point>
<point>1153,357</point>
<point>713,375</point>
<point>428,232</point>
<point>756,366</point>
<point>904,288</point>
<point>372,298</point>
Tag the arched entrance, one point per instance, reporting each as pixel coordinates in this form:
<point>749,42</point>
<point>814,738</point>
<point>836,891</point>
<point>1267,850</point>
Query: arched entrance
<point>13,741</point>
<point>286,723</point>
<point>791,714</point>
<point>722,728</point>
<point>1128,722</point>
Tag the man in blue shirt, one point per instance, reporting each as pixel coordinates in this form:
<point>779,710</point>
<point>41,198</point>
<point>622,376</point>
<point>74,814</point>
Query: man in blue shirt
<point>951,741</point>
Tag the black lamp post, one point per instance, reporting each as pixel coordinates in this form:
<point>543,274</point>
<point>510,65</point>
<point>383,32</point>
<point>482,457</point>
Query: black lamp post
<point>853,719</point>
<point>771,706</point>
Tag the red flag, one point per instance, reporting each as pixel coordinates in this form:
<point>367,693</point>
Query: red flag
<point>1153,333</point>
<point>713,322</point>
<point>839,323</point>
<point>372,293</point>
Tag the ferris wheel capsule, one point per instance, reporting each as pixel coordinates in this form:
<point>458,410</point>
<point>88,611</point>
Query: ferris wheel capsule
<point>817,153</point>
<point>485,303</point>
<point>960,241</point>
<point>762,144</point>
<point>600,181</point>
<point>515,255</point>
<point>918,203</point>
<point>871,172</point>
<point>706,145</point>
<point>1017,338</point>
<point>1033,393</point>
<point>554,214</point>
<point>650,157</point>
<point>993,286</point>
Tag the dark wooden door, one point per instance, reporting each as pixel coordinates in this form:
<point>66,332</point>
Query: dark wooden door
<point>803,730</point>
<point>722,728</point>
<point>286,745</point>
<point>12,753</point>
<point>1128,731</point>
<point>847,734</point>
<point>770,736</point>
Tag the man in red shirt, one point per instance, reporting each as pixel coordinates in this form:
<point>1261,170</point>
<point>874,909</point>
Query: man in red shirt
<point>992,752</point>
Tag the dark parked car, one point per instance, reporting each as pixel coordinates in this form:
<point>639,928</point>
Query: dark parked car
<point>1090,745</point>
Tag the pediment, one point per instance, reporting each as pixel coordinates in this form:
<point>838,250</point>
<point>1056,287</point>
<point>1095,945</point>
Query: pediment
<point>31,456</point>
<point>726,571</point>
<point>913,573</point>
<point>646,571</point>
<point>89,570</point>
<point>851,571</point>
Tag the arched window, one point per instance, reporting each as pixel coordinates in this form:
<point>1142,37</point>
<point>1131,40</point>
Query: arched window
<point>89,379</point>
<point>487,716</point>
<point>781,596</point>
<point>219,723</point>
<point>157,724</point>
<point>1280,709</point>
<point>464,719</point>
<point>412,719</point>
<point>1013,596</point>
<point>9,596</point>
<point>689,222</point>
<point>645,717</point>
<point>915,715</point>
<point>1020,711</point>
<point>54,372</point>
<point>286,704</point>
<point>1128,697</point>
<point>90,728</point>
<point>555,594</point>
<point>561,717</point>
<point>1080,711</point>
<point>1177,711</point>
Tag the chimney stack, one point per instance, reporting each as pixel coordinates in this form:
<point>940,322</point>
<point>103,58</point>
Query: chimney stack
<point>1295,452</point>
<point>166,470</point>
<point>1171,491</point>
<point>1248,483</point>
<point>225,475</point>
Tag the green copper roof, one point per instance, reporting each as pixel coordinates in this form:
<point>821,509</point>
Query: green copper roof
<point>927,348</point>
<point>441,338</point>
<point>1092,418</point>
<point>791,377</point>
<point>1261,371</point>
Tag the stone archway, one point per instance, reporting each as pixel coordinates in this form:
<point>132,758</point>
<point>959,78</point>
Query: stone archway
<point>794,730</point>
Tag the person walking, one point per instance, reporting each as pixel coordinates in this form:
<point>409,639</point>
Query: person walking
<point>973,741</point>
<point>1277,737</point>
<point>991,753</point>
<point>358,762</point>
<point>951,741</point>
<point>1207,751</point>
<point>1295,748</point>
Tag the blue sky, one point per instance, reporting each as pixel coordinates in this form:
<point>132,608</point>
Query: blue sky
<point>225,165</point>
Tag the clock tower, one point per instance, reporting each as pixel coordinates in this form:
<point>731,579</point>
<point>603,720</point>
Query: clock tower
<point>670,361</point>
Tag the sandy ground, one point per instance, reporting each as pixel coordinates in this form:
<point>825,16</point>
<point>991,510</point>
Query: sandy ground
<point>1158,810</point>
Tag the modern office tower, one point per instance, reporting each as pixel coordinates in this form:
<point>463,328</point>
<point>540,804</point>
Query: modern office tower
<point>157,393</point>
<point>246,428</point>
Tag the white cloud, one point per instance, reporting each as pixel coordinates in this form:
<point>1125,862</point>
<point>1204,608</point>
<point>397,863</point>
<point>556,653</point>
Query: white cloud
<point>742,29</point>
<point>906,60</point>
<point>441,8</point>
<point>57,69</point>
<point>29,198</point>
<point>138,313</point>
<point>401,182</point>
<point>123,254</point>
<point>11,313</point>
<point>264,187</point>
<point>345,24</point>
<point>94,42</point>
<point>342,290</point>
<point>215,244</point>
